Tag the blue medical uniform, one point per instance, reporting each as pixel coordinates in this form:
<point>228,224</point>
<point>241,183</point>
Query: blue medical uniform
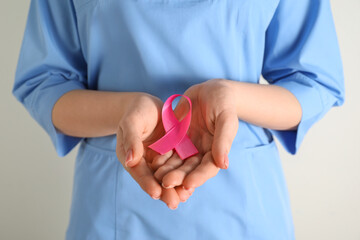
<point>163,47</point>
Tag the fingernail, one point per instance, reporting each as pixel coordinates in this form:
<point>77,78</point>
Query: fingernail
<point>226,161</point>
<point>164,186</point>
<point>187,188</point>
<point>129,157</point>
<point>172,207</point>
<point>156,197</point>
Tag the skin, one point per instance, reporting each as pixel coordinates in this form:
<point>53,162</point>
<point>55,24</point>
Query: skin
<point>135,118</point>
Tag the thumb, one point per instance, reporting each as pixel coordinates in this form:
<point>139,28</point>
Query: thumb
<point>226,126</point>
<point>132,143</point>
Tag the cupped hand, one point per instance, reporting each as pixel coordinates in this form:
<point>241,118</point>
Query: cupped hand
<point>213,127</point>
<point>140,126</point>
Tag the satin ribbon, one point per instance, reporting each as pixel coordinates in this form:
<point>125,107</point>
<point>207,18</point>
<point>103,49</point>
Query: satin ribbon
<point>175,137</point>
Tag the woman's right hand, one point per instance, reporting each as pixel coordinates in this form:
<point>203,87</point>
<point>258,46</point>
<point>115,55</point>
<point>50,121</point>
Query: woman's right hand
<point>140,126</point>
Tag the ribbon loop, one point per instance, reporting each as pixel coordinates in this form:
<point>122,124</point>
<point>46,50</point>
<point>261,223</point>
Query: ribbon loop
<point>175,137</point>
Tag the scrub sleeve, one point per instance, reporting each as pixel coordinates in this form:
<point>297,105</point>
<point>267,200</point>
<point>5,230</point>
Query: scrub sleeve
<point>51,64</point>
<point>302,55</point>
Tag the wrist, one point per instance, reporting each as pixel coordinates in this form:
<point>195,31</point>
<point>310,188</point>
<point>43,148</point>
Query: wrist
<point>145,104</point>
<point>236,88</point>
<point>234,94</point>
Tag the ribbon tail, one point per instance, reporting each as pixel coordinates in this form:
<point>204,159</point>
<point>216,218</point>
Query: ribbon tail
<point>186,148</point>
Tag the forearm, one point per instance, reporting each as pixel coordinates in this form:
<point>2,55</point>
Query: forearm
<point>268,106</point>
<point>88,113</point>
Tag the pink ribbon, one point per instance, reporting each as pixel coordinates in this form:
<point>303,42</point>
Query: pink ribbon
<point>175,137</point>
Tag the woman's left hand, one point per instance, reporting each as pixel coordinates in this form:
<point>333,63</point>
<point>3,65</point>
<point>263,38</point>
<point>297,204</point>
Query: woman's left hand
<point>213,127</point>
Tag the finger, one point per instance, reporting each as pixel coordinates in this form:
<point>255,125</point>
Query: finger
<point>177,176</point>
<point>206,170</point>
<point>142,174</point>
<point>160,160</point>
<point>226,126</point>
<point>183,193</point>
<point>172,163</point>
<point>170,197</point>
<point>131,128</point>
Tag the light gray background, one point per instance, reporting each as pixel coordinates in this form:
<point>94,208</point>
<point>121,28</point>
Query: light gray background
<point>323,178</point>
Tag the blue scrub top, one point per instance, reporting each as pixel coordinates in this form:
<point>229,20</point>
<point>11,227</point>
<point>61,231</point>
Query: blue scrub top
<point>163,47</point>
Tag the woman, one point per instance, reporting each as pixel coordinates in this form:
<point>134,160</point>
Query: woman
<point>98,72</point>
